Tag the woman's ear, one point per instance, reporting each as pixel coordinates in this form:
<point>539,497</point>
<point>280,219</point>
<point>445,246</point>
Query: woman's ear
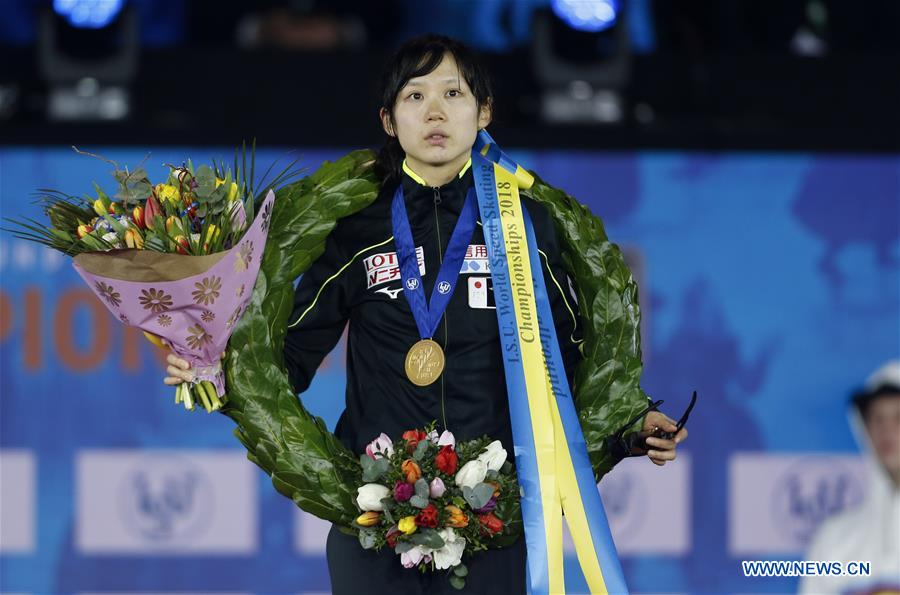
<point>486,113</point>
<point>386,123</point>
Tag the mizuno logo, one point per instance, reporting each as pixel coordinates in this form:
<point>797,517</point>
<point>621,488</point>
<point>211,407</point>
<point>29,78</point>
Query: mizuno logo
<point>391,293</point>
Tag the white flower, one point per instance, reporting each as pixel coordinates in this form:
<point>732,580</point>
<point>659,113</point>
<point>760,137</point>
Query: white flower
<point>471,474</point>
<point>493,456</point>
<point>432,436</point>
<point>412,557</point>
<point>383,445</point>
<point>369,496</point>
<point>436,488</point>
<point>447,439</point>
<point>449,555</point>
<point>113,239</point>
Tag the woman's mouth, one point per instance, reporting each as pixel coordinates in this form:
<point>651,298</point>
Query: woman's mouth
<point>436,139</point>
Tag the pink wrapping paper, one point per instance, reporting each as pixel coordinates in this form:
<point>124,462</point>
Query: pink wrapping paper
<point>194,315</point>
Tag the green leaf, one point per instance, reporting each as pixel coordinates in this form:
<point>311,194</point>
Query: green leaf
<point>479,495</point>
<point>367,538</point>
<point>421,449</point>
<point>418,501</point>
<point>460,570</point>
<point>404,546</point>
<point>421,488</point>
<point>428,538</point>
<point>457,582</point>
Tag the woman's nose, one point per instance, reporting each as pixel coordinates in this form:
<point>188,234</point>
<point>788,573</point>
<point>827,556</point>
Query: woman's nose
<point>435,111</point>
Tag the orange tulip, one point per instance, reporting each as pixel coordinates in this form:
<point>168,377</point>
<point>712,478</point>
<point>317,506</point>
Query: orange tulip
<point>411,470</point>
<point>458,518</point>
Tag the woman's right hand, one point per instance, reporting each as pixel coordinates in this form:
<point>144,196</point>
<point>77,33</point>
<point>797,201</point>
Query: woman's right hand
<point>179,370</point>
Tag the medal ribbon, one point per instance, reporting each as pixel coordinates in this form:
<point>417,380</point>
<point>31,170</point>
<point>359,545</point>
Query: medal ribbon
<point>552,463</point>
<point>428,314</point>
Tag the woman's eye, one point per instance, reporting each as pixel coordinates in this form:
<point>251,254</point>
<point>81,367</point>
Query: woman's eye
<point>415,95</point>
<point>454,92</point>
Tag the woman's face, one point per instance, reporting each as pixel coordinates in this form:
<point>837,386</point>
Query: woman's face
<point>436,119</point>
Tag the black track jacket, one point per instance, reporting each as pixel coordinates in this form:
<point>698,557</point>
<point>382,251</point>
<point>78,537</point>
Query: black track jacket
<point>357,280</point>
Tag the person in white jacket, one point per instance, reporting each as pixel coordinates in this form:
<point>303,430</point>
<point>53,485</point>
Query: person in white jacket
<point>870,532</point>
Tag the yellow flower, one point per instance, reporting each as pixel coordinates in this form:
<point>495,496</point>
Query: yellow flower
<point>407,525</point>
<point>219,182</point>
<point>368,519</point>
<point>212,233</point>
<point>167,192</point>
<point>232,192</point>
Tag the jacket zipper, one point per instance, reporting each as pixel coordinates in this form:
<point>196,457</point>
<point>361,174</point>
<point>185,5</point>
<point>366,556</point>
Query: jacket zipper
<point>437,225</point>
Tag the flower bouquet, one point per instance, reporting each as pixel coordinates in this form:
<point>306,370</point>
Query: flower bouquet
<point>432,500</point>
<point>176,259</point>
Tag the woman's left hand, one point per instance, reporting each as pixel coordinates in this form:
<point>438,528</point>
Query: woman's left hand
<point>662,450</point>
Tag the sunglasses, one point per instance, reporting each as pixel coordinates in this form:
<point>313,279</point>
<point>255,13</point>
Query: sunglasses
<point>622,445</point>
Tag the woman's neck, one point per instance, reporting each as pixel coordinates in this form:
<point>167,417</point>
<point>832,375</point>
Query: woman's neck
<point>437,175</point>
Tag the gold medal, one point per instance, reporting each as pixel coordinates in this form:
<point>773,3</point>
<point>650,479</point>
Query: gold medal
<point>424,362</point>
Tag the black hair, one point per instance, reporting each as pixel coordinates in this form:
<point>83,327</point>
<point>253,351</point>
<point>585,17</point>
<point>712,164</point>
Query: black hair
<point>417,57</point>
<point>863,399</point>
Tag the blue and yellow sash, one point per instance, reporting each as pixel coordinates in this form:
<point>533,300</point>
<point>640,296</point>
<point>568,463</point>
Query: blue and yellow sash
<point>552,462</point>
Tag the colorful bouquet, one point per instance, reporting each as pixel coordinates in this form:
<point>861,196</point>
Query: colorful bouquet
<point>176,259</point>
<point>432,500</point>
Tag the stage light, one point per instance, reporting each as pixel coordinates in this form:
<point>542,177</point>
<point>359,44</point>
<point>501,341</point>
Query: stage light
<point>88,14</point>
<point>582,73</point>
<point>88,67</point>
<point>587,15</point>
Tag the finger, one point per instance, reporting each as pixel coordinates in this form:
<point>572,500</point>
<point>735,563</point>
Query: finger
<point>661,443</point>
<point>661,455</point>
<point>177,361</point>
<point>657,462</point>
<point>172,380</point>
<point>657,418</point>
<point>179,373</point>
<point>681,436</point>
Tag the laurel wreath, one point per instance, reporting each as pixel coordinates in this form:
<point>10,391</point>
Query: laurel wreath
<point>305,461</point>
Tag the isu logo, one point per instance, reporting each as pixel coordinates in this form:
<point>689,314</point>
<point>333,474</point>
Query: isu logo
<point>385,267</point>
<point>166,500</point>
<point>811,491</point>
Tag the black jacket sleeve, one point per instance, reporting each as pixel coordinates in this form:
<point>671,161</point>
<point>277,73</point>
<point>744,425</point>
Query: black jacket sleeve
<point>320,313</point>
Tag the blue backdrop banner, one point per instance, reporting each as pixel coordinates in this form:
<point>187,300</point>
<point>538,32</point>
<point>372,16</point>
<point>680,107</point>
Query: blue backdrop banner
<point>770,283</point>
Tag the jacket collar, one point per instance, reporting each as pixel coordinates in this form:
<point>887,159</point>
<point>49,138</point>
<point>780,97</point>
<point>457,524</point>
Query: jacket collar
<point>452,195</point>
<point>421,181</point>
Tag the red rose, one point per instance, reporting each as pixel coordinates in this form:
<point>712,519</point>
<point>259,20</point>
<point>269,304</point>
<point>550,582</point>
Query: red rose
<point>413,437</point>
<point>490,523</point>
<point>391,536</point>
<point>446,460</point>
<point>427,517</point>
